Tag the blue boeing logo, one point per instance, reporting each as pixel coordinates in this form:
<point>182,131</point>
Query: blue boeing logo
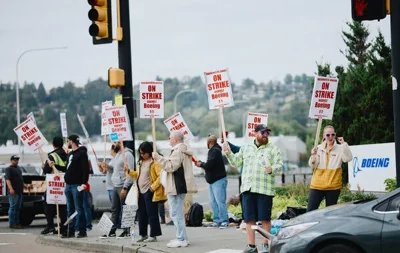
<point>356,169</point>
<point>369,163</point>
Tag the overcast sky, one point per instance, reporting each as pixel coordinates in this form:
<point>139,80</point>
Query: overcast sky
<point>261,39</point>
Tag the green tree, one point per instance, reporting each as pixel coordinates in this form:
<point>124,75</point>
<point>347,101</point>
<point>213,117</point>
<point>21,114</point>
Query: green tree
<point>41,94</point>
<point>288,79</point>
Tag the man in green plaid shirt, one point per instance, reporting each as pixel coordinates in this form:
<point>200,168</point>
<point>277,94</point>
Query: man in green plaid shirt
<point>260,160</point>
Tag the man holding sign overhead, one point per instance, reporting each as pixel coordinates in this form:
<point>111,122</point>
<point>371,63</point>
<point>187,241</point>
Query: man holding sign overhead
<point>260,161</point>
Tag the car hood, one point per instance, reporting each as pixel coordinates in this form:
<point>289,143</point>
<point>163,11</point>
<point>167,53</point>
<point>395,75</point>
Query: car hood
<point>341,210</point>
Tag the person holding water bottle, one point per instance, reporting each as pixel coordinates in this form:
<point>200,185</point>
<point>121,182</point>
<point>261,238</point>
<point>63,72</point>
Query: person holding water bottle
<point>260,161</point>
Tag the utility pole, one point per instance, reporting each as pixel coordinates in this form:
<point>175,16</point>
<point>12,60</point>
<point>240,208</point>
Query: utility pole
<point>395,28</point>
<point>125,63</point>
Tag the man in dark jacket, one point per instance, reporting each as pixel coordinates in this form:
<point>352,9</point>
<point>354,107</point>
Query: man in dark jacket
<point>216,177</point>
<point>76,176</point>
<point>15,188</point>
<point>56,159</point>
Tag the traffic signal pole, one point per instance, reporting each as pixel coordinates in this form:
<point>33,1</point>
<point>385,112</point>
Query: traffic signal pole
<point>125,63</point>
<point>395,28</point>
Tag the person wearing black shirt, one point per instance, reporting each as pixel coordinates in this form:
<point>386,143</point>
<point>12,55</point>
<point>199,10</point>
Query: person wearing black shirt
<point>15,188</point>
<point>76,176</point>
<point>216,177</point>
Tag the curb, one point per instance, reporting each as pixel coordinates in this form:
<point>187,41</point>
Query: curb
<point>94,247</point>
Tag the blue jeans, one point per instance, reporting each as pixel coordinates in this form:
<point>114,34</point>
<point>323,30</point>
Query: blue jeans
<point>15,207</point>
<point>75,203</point>
<point>217,194</point>
<point>88,212</point>
<point>176,204</point>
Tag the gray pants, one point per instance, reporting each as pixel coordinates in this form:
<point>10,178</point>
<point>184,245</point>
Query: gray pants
<point>116,208</point>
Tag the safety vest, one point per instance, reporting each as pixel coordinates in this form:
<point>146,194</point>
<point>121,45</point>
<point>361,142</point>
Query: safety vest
<point>57,160</point>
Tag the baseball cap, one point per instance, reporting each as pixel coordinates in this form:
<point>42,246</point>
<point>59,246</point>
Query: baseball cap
<point>14,157</point>
<point>74,138</point>
<point>261,127</point>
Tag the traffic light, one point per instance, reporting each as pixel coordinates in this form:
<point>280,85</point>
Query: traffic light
<point>100,15</point>
<point>116,78</point>
<point>368,9</point>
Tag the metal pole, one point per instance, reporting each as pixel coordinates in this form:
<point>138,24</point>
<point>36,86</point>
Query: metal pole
<point>395,26</point>
<point>125,63</point>
<point>17,84</point>
<point>177,94</point>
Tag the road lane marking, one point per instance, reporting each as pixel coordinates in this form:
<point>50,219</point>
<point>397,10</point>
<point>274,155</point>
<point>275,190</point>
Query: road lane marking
<point>15,233</point>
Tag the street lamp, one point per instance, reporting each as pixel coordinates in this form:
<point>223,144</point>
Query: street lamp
<point>177,94</point>
<point>17,83</point>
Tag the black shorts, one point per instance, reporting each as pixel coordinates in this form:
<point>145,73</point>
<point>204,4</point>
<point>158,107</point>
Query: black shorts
<point>256,207</point>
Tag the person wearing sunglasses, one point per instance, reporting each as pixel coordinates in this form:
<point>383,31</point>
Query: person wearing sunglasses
<point>260,161</point>
<point>326,161</point>
<point>147,177</point>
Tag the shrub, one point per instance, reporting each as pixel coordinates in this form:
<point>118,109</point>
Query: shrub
<point>391,184</point>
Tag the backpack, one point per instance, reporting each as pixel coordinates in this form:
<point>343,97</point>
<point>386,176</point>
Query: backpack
<point>194,218</point>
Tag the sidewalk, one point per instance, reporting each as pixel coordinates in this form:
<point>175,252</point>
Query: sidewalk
<point>201,240</point>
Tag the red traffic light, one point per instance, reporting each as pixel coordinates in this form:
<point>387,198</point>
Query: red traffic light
<point>368,9</point>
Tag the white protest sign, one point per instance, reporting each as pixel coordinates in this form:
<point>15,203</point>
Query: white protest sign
<point>31,116</point>
<point>219,89</point>
<point>151,99</point>
<point>104,124</point>
<point>177,123</point>
<point>63,120</point>
<point>83,126</point>
<point>253,119</point>
<point>105,224</point>
<point>118,122</point>
<point>55,189</point>
<point>30,135</point>
<point>128,216</point>
<point>323,97</point>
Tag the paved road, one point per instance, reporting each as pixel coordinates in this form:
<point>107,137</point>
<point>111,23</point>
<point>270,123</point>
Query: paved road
<point>19,241</point>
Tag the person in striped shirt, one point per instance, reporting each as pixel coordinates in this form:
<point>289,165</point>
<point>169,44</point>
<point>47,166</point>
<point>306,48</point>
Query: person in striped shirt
<point>260,161</point>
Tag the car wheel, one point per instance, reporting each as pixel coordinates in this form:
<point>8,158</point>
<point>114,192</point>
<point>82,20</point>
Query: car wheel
<point>337,248</point>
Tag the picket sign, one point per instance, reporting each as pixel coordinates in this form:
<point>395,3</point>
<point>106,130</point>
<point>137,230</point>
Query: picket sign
<point>104,124</point>
<point>105,224</point>
<point>30,135</point>
<point>253,119</point>
<point>87,135</point>
<point>128,216</point>
<point>31,116</point>
<point>219,91</point>
<point>177,123</point>
<point>323,101</point>
<point>63,121</point>
<point>152,104</point>
<point>118,123</point>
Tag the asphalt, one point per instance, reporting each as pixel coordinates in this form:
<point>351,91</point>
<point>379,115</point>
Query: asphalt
<point>201,239</point>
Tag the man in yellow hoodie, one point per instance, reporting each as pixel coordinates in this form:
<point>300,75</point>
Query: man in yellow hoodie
<point>326,161</point>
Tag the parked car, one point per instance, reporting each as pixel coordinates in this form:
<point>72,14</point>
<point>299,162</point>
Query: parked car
<point>98,192</point>
<point>359,227</point>
<point>32,201</point>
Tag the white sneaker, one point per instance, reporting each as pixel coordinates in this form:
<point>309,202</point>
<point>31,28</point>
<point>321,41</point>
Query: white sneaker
<point>177,244</point>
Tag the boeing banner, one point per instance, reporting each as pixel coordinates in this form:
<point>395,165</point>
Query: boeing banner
<point>371,165</point>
